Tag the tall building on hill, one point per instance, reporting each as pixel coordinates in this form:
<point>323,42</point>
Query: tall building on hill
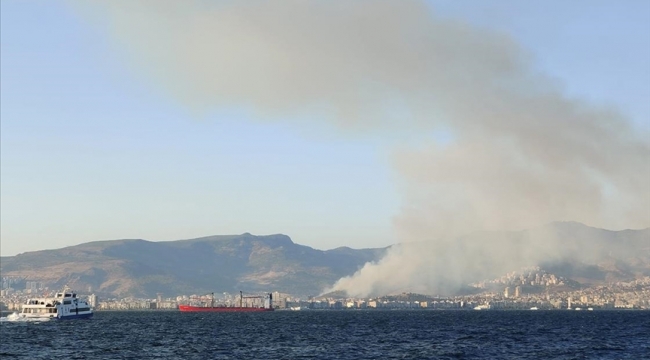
<point>517,291</point>
<point>32,286</point>
<point>92,300</point>
<point>506,292</point>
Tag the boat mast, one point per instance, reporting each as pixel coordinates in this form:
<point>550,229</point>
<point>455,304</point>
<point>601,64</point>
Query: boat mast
<point>241,299</point>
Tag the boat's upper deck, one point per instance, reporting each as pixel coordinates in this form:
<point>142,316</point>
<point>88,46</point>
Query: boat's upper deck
<point>40,303</point>
<point>66,294</point>
<point>65,297</point>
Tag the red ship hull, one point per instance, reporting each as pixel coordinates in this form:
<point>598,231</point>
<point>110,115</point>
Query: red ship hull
<point>188,308</point>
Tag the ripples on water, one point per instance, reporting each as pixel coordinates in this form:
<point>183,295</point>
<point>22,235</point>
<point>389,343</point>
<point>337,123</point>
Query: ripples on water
<point>334,335</point>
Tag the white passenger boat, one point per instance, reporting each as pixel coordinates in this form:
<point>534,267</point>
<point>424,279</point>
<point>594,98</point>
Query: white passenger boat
<point>65,305</point>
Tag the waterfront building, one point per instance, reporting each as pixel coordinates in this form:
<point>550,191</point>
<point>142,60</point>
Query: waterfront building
<point>92,300</point>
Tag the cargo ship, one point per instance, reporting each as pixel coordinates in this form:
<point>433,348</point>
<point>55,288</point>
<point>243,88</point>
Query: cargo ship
<point>266,306</point>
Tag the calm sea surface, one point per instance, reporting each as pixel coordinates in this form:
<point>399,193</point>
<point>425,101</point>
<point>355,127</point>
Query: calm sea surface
<point>335,335</point>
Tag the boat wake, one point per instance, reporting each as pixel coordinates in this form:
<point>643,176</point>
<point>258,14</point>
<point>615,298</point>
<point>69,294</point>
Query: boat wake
<point>17,318</point>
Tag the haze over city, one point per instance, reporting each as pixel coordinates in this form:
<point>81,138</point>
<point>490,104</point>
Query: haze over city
<point>360,124</point>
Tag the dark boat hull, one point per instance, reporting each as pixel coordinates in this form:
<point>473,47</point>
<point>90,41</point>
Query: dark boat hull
<point>79,316</point>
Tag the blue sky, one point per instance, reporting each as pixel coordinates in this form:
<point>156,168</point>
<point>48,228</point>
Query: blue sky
<point>90,151</point>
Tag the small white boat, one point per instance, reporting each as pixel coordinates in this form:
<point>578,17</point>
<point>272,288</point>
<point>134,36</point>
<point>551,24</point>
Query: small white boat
<point>65,305</point>
<point>534,308</point>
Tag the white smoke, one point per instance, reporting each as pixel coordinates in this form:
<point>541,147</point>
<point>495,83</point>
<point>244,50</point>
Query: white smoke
<point>520,154</point>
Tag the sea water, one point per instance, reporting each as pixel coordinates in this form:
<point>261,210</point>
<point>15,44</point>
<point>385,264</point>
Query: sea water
<point>426,334</point>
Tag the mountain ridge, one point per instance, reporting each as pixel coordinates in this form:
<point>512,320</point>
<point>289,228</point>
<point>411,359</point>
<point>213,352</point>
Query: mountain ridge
<point>138,267</point>
<point>142,268</point>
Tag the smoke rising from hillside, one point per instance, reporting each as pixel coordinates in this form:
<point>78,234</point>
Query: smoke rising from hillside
<point>521,154</point>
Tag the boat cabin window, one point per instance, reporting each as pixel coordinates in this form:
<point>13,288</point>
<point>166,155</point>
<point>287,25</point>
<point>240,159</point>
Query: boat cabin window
<point>39,311</point>
<point>66,295</point>
<point>67,302</point>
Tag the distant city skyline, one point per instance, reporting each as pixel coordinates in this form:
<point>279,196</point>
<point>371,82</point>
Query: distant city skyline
<point>93,150</point>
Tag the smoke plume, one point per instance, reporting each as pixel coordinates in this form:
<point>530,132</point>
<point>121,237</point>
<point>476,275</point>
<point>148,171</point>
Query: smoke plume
<point>517,152</point>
